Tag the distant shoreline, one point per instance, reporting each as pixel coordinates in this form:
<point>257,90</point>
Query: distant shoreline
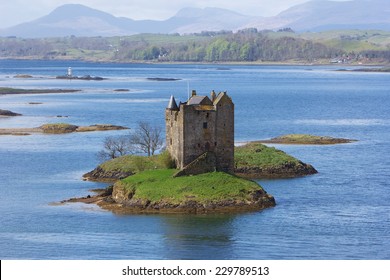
<point>323,62</point>
<point>9,90</point>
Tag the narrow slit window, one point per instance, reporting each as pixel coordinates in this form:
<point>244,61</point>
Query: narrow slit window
<point>205,125</point>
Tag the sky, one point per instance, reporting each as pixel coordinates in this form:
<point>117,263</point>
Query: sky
<point>19,11</point>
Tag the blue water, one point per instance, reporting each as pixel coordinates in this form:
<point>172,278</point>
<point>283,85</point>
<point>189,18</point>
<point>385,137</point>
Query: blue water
<point>343,212</point>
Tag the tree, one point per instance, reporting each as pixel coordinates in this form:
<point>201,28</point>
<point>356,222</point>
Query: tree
<point>114,147</point>
<point>146,138</point>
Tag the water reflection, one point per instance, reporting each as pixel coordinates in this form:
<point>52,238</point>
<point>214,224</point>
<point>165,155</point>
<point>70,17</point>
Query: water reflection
<point>198,236</point>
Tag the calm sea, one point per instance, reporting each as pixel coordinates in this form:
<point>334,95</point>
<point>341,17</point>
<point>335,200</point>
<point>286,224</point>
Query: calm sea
<point>343,212</point>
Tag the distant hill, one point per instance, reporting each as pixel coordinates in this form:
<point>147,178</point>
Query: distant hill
<point>330,15</point>
<point>71,19</point>
<point>79,20</point>
<point>320,15</point>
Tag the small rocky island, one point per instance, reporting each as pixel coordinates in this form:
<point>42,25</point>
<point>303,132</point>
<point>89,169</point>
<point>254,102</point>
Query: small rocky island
<point>197,172</point>
<point>7,113</point>
<point>158,191</point>
<point>306,139</point>
<point>84,78</point>
<point>8,90</point>
<point>252,161</point>
<point>59,128</point>
<point>206,179</point>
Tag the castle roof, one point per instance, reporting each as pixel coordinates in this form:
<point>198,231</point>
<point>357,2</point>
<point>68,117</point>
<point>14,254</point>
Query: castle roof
<point>199,100</point>
<point>221,96</point>
<point>172,105</point>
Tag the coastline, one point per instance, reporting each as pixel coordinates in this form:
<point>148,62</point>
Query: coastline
<point>321,62</point>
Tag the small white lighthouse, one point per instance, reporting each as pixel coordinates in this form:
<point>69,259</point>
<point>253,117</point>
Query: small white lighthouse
<point>69,72</point>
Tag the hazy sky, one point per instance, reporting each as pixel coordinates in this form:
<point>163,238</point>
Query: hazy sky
<point>13,12</point>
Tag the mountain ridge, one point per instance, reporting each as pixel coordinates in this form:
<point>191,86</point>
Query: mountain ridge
<point>80,20</point>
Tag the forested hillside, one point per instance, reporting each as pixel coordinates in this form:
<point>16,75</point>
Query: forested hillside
<point>243,46</point>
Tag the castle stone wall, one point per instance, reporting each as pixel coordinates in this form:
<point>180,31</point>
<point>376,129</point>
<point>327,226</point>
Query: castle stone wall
<point>201,126</point>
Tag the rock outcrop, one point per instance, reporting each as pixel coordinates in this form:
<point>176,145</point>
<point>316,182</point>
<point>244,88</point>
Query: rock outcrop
<point>6,113</point>
<point>103,175</point>
<point>287,170</point>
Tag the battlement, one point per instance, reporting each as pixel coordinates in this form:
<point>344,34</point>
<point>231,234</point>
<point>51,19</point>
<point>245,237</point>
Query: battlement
<point>199,125</point>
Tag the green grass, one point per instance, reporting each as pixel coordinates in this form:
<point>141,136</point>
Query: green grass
<point>58,128</point>
<point>135,164</point>
<point>307,139</point>
<point>256,154</point>
<point>249,155</point>
<point>351,40</point>
<point>160,185</point>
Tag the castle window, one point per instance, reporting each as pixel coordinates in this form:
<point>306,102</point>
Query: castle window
<point>207,115</point>
<point>205,125</point>
<point>171,141</point>
<point>215,144</point>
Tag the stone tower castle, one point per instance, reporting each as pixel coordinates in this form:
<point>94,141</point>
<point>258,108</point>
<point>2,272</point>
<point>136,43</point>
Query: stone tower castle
<point>200,133</point>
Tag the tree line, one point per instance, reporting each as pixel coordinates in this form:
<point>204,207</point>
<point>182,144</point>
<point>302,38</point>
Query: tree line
<point>237,47</point>
<point>243,46</point>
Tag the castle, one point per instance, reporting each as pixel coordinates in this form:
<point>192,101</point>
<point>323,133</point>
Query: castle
<point>200,133</point>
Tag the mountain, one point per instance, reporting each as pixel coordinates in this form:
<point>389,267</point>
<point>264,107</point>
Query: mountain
<point>79,20</point>
<point>72,19</point>
<point>210,19</point>
<point>319,15</point>
<point>327,15</point>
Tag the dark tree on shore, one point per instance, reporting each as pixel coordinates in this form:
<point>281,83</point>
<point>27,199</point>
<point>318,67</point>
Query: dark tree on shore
<point>145,138</point>
<point>114,147</point>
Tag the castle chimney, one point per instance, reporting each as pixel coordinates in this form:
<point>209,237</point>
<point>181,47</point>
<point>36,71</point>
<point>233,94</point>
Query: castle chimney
<point>193,92</point>
<point>213,96</point>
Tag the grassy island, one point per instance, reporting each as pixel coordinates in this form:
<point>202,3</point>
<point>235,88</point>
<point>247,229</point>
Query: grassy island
<point>159,191</point>
<point>147,185</point>
<point>253,160</point>
<point>307,139</point>
<point>7,90</point>
<point>59,128</point>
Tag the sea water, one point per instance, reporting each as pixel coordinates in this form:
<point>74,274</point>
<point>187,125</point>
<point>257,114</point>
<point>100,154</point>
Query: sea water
<point>343,212</point>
